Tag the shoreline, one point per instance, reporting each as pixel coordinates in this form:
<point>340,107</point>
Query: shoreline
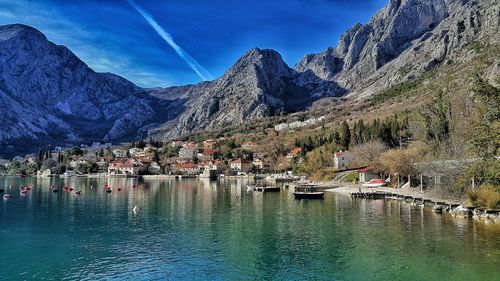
<point>347,189</point>
<point>457,208</point>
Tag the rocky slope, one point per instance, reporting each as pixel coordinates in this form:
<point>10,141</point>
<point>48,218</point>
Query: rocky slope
<point>47,94</point>
<point>403,40</point>
<point>258,85</point>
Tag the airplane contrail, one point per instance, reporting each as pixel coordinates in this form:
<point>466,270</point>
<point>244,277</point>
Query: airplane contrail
<point>200,70</point>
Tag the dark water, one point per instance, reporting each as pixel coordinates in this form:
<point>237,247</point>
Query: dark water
<point>201,230</point>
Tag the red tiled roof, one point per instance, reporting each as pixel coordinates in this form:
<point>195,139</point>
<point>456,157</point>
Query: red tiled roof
<point>209,152</point>
<point>240,161</point>
<point>187,166</point>
<point>367,169</point>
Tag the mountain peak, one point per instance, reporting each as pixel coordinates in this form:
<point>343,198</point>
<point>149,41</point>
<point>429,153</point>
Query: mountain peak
<point>266,60</point>
<point>20,30</point>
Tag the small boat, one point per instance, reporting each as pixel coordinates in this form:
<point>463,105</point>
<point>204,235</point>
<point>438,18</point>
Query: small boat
<point>309,195</point>
<point>78,192</point>
<point>2,190</point>
<point>375,183</point>
<point>23,192</point>
<point>108,190</point>
<point>271,189</point>
<point>135,210</point>
<point>55,190</point>
<point>267,188</point>
<point>250,187</point>
<point>6,196</point>
<point>119,189</point>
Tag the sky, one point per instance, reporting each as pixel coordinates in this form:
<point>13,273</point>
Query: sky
<point>157,43</point>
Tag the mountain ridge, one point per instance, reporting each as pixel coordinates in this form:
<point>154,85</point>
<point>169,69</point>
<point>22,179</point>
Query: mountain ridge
<point>48,94</point>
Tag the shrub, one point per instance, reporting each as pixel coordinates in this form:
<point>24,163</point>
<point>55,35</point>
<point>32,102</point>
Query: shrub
<point>487,196</point>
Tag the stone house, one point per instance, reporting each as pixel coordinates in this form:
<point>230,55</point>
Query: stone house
<point>342,160</point>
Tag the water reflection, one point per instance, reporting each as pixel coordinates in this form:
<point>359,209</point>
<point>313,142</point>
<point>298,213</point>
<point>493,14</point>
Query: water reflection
<point>202,229</point>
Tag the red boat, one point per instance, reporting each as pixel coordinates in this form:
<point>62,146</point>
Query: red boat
<point>375,183</point>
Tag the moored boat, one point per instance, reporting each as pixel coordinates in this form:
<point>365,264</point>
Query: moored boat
<point>309,195</point>
<point>308,191</point>
<point>375,183</point>
<point>267,188</point>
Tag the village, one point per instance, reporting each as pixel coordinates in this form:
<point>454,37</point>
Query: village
<point>208,158</point>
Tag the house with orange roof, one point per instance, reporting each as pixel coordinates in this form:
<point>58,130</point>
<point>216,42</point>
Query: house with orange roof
<point>296,151</point>
<point>187,168</point>
<point>128,167</point>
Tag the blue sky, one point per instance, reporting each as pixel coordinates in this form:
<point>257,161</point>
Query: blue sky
<point>112,36</point>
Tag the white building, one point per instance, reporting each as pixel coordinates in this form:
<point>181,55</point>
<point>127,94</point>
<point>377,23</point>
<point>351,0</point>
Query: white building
<point>135,150</point>
<point>342,160</point>
<point>120,153</point>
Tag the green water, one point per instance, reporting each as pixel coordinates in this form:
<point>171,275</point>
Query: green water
<point>201,230</point>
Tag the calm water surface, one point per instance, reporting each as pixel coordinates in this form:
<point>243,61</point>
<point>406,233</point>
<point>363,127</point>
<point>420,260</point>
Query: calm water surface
<point>201,230</point>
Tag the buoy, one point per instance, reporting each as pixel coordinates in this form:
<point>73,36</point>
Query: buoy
<point>24,192</point>
<point>135,210</point>
<point>51,186</point>
<point>92,187</point>
<point>71,189</point>
<point>119,189</point>
<point>55,190</point>
<point>6,196</point>
<point>10,186</point>
<point>133,186</point>
<point>2,190</point>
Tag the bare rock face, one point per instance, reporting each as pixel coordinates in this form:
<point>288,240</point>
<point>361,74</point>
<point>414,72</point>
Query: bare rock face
<point>403,40</point>
<point>47,94</point>
<point>258,85</point>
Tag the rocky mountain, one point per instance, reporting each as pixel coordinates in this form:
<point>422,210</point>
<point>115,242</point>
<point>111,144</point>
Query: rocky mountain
<point>260,84</point>
<point>47,94</point>
<point>403,40</point>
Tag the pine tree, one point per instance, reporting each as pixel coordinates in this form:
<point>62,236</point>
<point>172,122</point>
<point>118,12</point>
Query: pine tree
<point>345,140</point>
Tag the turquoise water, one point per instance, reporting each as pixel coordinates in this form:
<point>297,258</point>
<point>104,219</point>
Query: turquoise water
<point>201,230</point>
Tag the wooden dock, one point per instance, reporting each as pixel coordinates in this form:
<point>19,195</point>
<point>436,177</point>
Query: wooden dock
<point>371,195</point>
<point>420,201</point>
